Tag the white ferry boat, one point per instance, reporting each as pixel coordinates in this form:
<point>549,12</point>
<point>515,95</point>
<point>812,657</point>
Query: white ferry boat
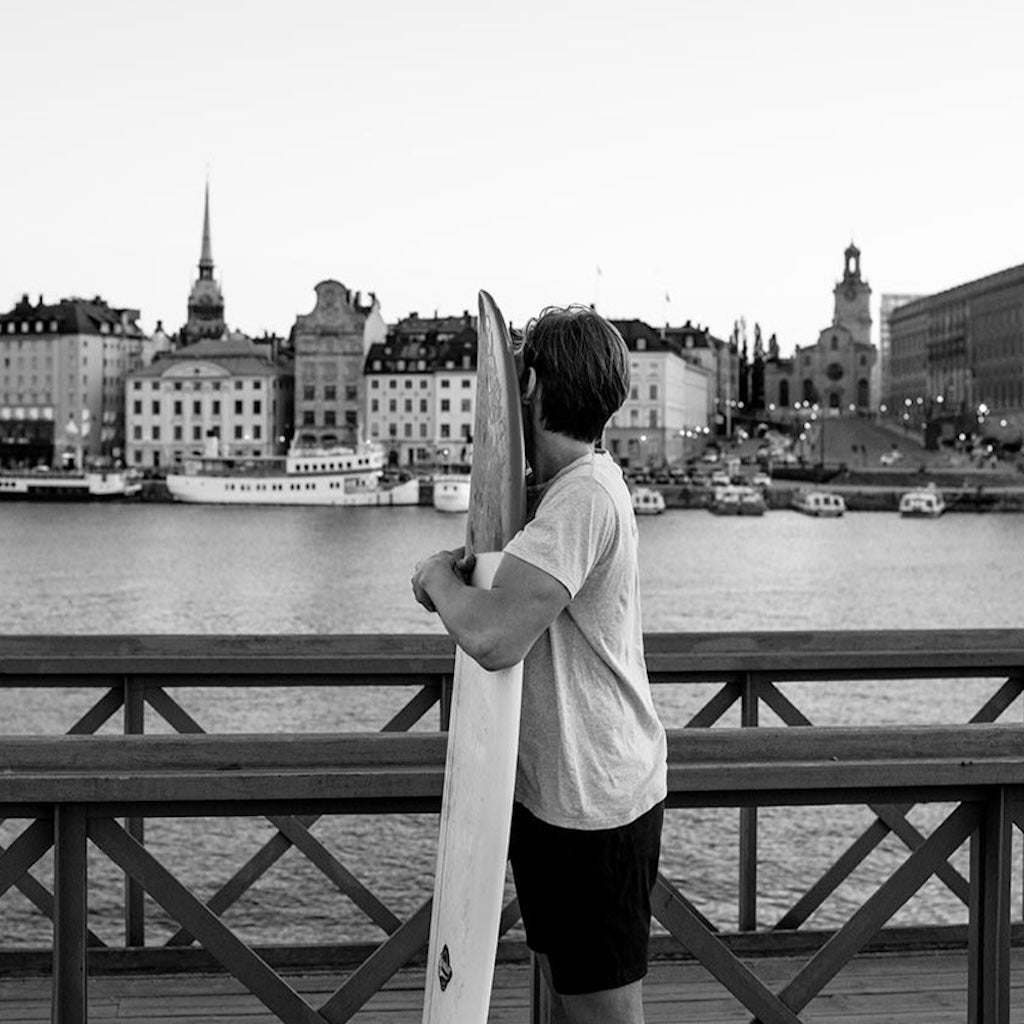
<point>647,501</point>
<point>305,476</point>
<point>823,504</point>
<point>451,492</point>
<point>44,484</point>
<point>924,503</point>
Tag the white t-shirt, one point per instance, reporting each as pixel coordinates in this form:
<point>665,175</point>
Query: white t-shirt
<point>592,751</point>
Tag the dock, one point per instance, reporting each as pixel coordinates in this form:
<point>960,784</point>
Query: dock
<point>81,791</point>
<point>881,989</point>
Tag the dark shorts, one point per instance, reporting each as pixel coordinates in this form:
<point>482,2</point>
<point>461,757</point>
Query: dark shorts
<point>585,897</point>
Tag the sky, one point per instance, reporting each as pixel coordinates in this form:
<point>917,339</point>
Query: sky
<point>668,160</point>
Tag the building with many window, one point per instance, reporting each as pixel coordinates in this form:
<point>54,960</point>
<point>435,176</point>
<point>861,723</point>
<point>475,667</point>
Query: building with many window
<point>230,397</point>
<point>330,344</point>
<point>957,359</point>
<point>667,409</point>
<point>421,390</point>
<point>62,374</point>
<point>889,303</point>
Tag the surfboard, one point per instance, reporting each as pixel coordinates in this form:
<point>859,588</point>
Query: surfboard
<point>483,732</point>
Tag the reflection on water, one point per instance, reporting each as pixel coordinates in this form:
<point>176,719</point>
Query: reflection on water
<point>195,569</point>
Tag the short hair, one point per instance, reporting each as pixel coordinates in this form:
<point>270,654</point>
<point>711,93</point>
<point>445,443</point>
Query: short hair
<point>582,364</point>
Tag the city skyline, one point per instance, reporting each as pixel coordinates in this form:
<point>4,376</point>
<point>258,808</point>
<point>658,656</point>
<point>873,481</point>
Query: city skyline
<point>687,162</point>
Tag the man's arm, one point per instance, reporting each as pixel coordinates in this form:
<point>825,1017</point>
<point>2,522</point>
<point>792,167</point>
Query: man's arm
<point>495,627</point>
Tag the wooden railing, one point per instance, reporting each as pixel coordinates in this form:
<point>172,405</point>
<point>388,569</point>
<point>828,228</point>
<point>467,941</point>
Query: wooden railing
<point>76,787</point>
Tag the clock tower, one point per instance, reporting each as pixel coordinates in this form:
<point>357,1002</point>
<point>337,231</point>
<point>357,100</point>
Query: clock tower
<point>205,302</point>
<point>853,299</point>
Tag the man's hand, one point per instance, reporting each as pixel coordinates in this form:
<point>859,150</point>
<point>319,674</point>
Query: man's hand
<point>456,563</point>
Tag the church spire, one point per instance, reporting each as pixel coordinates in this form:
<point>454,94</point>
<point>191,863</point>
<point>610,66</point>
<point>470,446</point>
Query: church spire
<point>206,256</point>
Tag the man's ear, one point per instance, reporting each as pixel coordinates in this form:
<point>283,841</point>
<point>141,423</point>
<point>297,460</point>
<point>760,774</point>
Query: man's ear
<point>527,385</point>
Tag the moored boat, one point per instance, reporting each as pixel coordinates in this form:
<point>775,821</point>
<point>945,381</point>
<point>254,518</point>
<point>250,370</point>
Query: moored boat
<point>647,501</point>
<point>306,476</point>
<point>823,504</point>
<point>923,503</point>
<point>451,492</point>
<point>737,500</point>
<point>44,484</point>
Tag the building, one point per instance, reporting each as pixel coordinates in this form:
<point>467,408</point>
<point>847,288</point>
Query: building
<point>721,361</point>
<point>667,409</point>
<point>62,372</point>
<point>421,390</point>
<point>228,396</point>
<point>835,372</point>
<point>957,359</point>
<point>889,303</point>
<point>331,344</point>
<point>206,301</point>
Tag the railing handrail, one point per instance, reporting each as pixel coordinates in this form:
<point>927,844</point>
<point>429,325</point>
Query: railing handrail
<point>403,658</point>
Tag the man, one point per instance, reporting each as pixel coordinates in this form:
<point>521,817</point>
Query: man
<point>591,775</point>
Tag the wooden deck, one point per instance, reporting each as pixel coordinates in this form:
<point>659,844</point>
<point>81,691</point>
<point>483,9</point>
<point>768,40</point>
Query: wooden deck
<point>891,988</point>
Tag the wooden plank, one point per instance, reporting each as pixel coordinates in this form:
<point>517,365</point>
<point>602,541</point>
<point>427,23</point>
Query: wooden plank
<point>381,965</point>
<point>28,847</point>
<point>716,706</point>
<point>70,942</point>
<point>674,914</point>
<point>275,993</point>
<point>891,895</point>
<point>336,872</point>
<point>99,714</point>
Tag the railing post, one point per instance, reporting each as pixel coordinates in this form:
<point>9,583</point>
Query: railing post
<point>69,1003</point>
<point>748,817</point>
<point>134,895</point>
<point>988,953</point>
<point>447,682</point>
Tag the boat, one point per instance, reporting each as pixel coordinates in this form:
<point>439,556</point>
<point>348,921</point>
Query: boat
<point>737,500</point>
<point>647,501</point>
<point>451,492</point>
<point>45,484</point>
<point>923,503</point>
<point>305,476</point>
<point>823,504</point>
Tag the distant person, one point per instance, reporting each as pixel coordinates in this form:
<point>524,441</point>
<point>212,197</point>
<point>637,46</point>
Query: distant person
<point>591,778</point>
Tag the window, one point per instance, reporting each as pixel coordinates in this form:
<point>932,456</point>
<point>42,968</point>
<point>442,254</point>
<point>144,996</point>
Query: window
<point>423,405</point>
<point>156,433</point>
<point>308,392</point>
<point>238,385</point>
<point>373,405</point>
<point>392,405</point>
<point>408,405</point>
<point>197,433</point>
<point>177,408</point>
<point>238,407</point>
<point>307,418</point>
<point>257,432</point>
<point>137,433</point>
<point>257,407</point>
<point>653,392</point>
<point>329,418</point>
<point>238,433</point>
<point>466,382</point>
<point>177,433</point>
<point>445,405</point>
<point>467,405</point>
<point>446,430</point>
<point>197,407</point>
<point>445,382</point>
<point>216,407</point>
<point>330,392</point>
<point>137,408</point>
<point>407,430</point>
<point>351,392</point>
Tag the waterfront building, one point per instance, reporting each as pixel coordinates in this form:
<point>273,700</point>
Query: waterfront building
<point>421,390</point>
<point>667,408</point>
<point>957,359</point>
<point>62,372</point>
<point>835,372</point>
<point>330,345</point>
<point>206,300</point>
<point>227,396</point>
<point>720,359</point>
<point>889,303</point>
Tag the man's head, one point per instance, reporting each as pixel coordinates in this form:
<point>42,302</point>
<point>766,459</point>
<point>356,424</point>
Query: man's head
<point>582,365</point>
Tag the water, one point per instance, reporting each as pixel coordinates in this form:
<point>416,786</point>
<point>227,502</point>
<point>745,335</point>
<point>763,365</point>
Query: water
<point>193,569</point>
